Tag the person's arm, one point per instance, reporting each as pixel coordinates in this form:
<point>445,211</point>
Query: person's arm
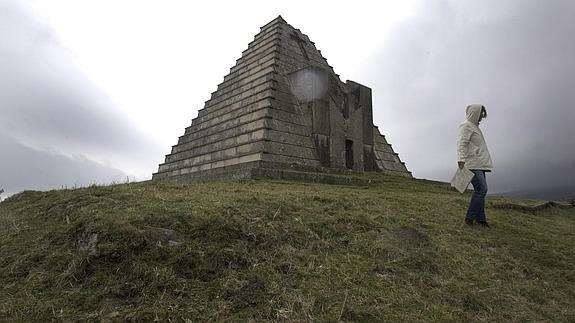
<point>462,144</point>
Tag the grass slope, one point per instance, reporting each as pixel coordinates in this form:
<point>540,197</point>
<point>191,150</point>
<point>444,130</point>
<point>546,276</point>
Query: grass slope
<point>396,249</point>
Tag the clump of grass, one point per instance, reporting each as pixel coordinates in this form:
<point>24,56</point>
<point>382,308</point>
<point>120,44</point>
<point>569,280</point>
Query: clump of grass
<point>395,249</point>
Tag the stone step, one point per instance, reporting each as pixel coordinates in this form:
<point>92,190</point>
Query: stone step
<point>264,84</point>
<point>276,110</point>
<point>226,95</point>
<point>205,115</point>
<point>250,52</point>
<point>246,83</point>
<point>261,54</point>
<point>212,138</point>
<point>232,152</point>
<point>251,133</point>
<point>237,161</point>
<point>267,58</point>
<point>227,124</point>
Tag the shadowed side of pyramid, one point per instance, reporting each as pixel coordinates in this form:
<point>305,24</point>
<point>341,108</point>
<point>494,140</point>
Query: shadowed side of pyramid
<point>281,110</point>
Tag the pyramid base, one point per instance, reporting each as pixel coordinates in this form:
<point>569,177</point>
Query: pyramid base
<point>271,170</point>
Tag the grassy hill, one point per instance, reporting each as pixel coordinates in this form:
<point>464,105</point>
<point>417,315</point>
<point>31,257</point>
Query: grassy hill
<point>395,249</point>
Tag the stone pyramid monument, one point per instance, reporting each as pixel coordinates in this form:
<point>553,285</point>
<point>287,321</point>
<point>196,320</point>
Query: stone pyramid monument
<point>281,112</point>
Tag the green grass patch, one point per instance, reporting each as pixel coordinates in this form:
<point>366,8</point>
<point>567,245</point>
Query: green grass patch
<point>395,249</point>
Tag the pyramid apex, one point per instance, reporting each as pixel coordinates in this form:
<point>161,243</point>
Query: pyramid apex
<point>279,18</point>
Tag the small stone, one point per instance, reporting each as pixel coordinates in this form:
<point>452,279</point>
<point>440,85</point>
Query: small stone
<point>173,243</point>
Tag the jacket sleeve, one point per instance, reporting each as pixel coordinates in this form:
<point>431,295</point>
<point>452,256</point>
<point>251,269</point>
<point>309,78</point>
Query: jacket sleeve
<point>463,142</point>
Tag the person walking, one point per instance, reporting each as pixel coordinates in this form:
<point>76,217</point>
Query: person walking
<point>473,154</point>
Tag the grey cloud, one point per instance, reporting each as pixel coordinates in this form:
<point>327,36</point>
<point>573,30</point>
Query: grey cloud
<point>43,95</point>
<point>515,57</point>
<point>47,104</point>
<point>27,168</point>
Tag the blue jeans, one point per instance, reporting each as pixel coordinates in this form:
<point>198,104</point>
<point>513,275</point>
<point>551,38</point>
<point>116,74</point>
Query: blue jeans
<point>476,208</point>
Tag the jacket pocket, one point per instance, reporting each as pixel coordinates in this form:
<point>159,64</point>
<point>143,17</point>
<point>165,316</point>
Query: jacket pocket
<point>474,150</point>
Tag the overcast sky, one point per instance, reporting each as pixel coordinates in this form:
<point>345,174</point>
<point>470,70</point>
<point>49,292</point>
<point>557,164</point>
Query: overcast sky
<point>97,91</point>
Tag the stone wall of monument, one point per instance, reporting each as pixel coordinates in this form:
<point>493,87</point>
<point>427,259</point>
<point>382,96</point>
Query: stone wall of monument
<point>281,106</point>
<point>230,129</point>
<point>387,159</point>
<point>342,113</point>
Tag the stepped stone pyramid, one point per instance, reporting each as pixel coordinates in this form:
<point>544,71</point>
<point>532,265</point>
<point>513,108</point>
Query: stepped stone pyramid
<point>281,112</point>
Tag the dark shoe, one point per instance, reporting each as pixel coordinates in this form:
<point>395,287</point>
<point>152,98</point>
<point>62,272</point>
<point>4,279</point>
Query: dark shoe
<point>469,222</point>
<point>483,224</point>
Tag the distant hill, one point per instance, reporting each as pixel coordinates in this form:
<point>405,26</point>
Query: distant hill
<point>388,248</point>
<point>553,193</point>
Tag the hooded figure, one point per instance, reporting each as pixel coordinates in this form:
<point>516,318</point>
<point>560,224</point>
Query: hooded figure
<point>473,154</point>
<point>471,146</point>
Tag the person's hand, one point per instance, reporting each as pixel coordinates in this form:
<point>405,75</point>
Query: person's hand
<point>461,164</point>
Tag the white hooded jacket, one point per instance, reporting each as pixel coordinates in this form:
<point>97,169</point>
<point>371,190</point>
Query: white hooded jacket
<point>471,146</point>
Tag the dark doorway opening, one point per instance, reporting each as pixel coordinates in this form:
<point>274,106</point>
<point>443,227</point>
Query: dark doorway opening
<point>349,154</point>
